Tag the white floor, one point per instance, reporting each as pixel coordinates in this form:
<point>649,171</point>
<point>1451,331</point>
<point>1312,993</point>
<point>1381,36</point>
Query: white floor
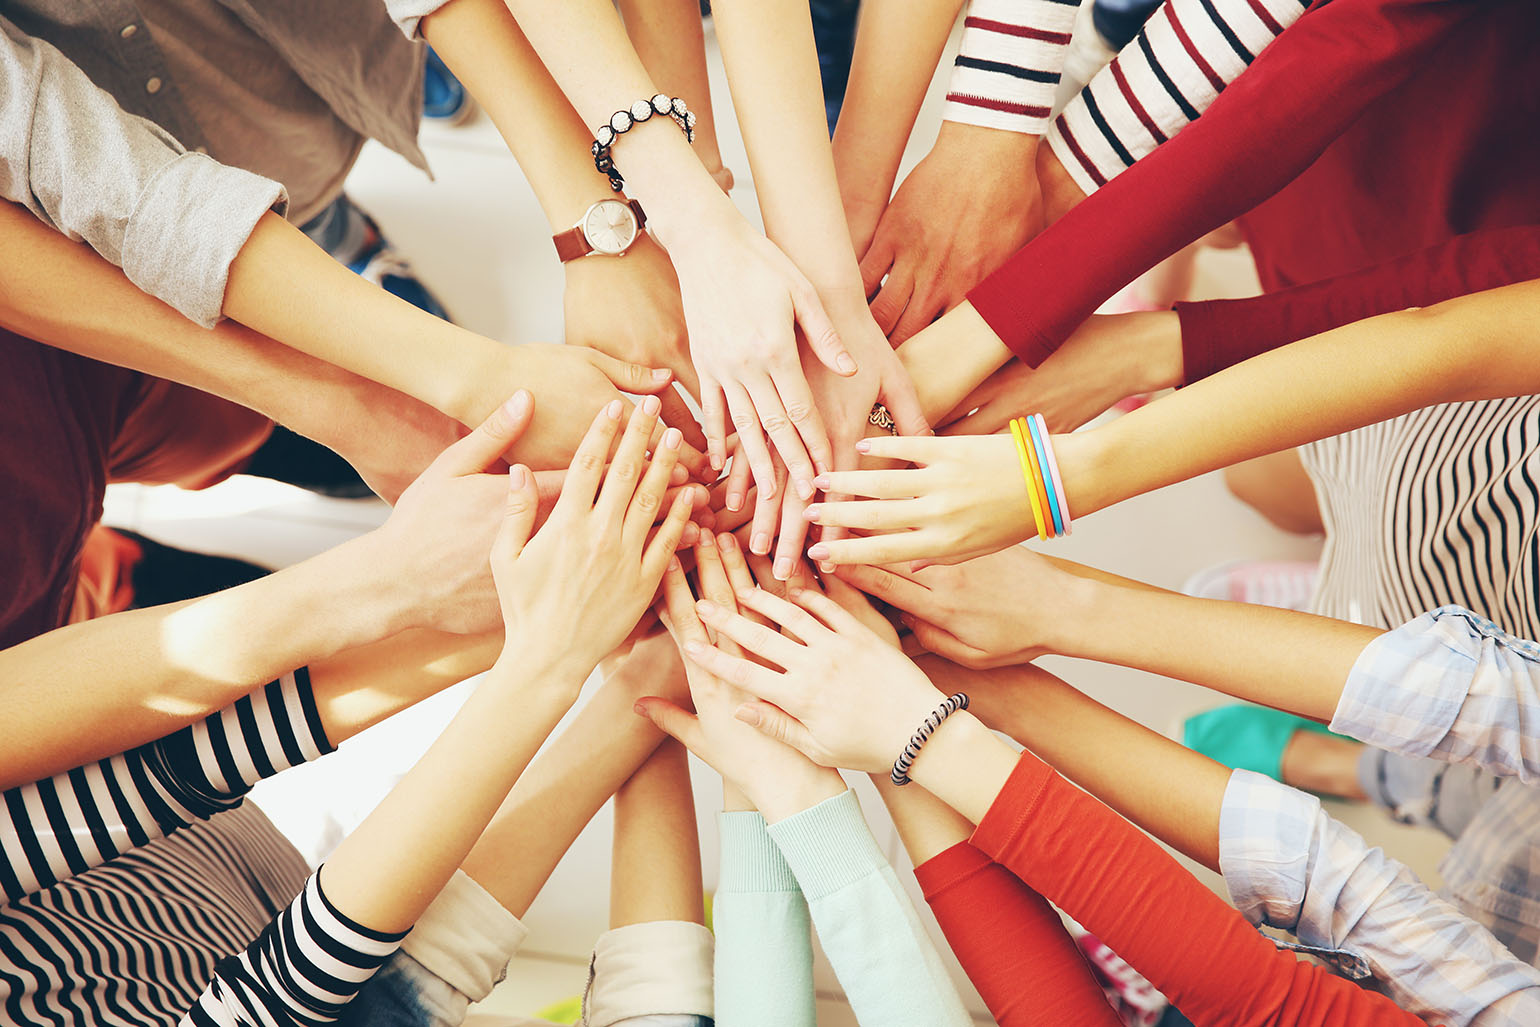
<point>477,236</point>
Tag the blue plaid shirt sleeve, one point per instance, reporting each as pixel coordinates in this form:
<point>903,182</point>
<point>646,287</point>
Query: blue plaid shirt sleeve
<point>1450,685</point>
<point>1289,865</point>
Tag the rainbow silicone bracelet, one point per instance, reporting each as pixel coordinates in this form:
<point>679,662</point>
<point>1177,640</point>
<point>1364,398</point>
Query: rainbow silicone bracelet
<point>1022,450</point>
<point>1042,462</point>
<point>1037,479</point>
<point>1053,471</point>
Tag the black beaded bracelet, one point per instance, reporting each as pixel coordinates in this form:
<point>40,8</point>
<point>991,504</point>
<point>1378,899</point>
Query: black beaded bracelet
<point>950,705</point>
<point>622,122</point>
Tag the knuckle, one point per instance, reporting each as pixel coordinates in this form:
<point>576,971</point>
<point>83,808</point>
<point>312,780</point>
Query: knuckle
<point>588,462</point>
<point>775,424</point>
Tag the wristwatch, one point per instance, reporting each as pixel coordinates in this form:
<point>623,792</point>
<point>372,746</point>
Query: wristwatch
<point>609,227</point>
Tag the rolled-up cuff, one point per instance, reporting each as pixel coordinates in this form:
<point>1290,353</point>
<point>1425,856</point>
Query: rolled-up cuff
<point>408,14</point>
<point>188,225</point>
<point>1266,837</point>
<point>751,862</point>
<point>466,937</point>
<point>662,967</point>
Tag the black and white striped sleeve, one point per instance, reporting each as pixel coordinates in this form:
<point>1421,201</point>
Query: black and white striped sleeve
<point>64,825</point>
<point>1009,62</point>
<point>301,971</point>
<point>1181,60</point>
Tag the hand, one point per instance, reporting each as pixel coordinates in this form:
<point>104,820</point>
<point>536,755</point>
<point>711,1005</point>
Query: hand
<point>994,611</point>
<point>389,461</point>
<point>445,522</point>
<point>743,300</point>
<point>778,780</point>
<point>966,499</point>
<point>570,384</point>
<point>964,209</point>
<point>572,592</point>
<point>844,696</point>
<point>630,309</point>
<point>1110,357</point>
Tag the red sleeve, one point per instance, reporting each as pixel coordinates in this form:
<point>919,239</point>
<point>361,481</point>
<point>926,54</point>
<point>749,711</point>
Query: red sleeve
<point>1125,889</point>
<point>1218,333</point>
<point>1263,130</point>
<point>1011,943</point>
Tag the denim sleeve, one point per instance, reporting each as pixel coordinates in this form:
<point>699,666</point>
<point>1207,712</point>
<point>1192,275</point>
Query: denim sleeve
<point>1450,685</point>
<point>172,220</point>
<point>1289,865</point>
<point>880,951</point>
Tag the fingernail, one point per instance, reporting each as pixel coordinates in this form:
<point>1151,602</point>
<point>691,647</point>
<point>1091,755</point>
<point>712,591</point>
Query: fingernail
<point>715,456</point>
<point>812,512</point>
<point>819,551</point>
<point>760,543</point>
<point>782,569</point>
<point>707,541</point>
<point>845,364</point>
<point>863,446</point>
<point>804,488</point>
<point>661,374</point>
<point>826,567</point>
<point>651,405</point>
<point>735,501</point>
<point>672,438</point>
<point>613,410</point>
<point>518,476</point>
<point>727,543</point>
<point>518,403</point>
<point>822,481</point>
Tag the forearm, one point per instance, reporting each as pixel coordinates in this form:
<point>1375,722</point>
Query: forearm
<point>670,38</point>
<point>1473,347</point>
<point>951,358</point>
<point>655,859</point>
<point>89,690</point>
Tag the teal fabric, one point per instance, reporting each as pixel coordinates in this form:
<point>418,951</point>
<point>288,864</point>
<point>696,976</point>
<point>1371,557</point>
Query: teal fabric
<point>1246,737</point>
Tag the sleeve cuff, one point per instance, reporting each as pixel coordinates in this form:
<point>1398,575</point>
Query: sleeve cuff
<point>996,835</point>
<point>408,14</point>
<point>657,968</point>
<point>947,868</point>
<point>828,846</point>
<point>187,227</point>
<point>1266,835</point>
<point>750,861</point>
<point>466,937</point>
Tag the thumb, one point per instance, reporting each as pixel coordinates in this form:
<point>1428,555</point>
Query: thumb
<point>672,720</point>
<point>818,328</point>
<point>487,444</point>
<point>633,378</point>
<point>773,722</point>
<point>518,515</point>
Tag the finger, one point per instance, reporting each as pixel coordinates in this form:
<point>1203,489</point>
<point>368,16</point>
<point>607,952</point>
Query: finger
<point>943,643</point>
<point>711,577</point>
<point>891,548</point>
<point>860,607</point>
<point>629,462</point>
<point>752,637</point>
<point>679,602</point>
<point>868,514</point>
<point>739,671</point>
<point>491,439</point>
<point>713,416</point>
<point>587,468</point>
<point>925,305</point>
<point>642,511</point>
<point>672,721</point>
<point>876,262</point>
<point>629,377</point>
<point>793,536</point>
<point>782,433</point>
<point>774,722</point>
<point>736,488</point>
<point>833,616</point>
<point>784,614</point>
<point>914,449</point>
<point>893,589</point>
<point>903,403</point>
<point>751,438</point>
<point>676,414</point>
<point>886,484</point>
<point>889,303</point>
<point>518,515</point>
<point>796,398</point>
<point>762,527</point>
<point>739,577</point>
<point>818,328</point>
<point>668,539</point>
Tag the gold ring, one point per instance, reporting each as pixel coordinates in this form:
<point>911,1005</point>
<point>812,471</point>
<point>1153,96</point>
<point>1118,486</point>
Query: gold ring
<point>882,419</point>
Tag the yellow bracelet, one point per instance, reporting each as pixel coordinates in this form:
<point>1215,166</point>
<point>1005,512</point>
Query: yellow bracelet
<point>1024,450</point>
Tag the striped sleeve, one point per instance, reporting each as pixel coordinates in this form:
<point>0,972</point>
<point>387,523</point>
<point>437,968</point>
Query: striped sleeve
<point>1183,58</point>
<point>1008,64</point>
<point>66,824</point>
<point>301,971</point>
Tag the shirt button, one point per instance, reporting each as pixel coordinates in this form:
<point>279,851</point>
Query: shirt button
<point>128,31</point>
<point>152,86</point>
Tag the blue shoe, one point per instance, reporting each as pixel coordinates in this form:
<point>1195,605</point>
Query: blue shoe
<point>443,97</point>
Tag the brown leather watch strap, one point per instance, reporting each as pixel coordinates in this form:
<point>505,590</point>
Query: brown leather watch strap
<point>572,243</point>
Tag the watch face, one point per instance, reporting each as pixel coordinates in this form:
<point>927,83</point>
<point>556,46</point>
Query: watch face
<point>610,226</point>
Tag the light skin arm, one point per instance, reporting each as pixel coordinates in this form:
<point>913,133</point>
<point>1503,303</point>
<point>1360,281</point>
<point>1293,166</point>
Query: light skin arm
<point>655,859</point>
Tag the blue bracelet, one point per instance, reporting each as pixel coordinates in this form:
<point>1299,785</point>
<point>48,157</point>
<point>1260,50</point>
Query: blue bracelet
<point>1042,460</point>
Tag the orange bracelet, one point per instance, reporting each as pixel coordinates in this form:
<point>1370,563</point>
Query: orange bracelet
<point>1028,469</point>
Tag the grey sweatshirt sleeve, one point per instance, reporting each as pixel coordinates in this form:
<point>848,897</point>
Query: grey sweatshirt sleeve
<point>171,219</point>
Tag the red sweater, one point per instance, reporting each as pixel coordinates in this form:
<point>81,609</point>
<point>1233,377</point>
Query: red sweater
<point>1202,955</point>
<point>1267,127</point>
<point>1218,333</point>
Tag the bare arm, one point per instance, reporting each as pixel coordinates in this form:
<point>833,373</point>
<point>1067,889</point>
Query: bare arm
<point>655,863</point>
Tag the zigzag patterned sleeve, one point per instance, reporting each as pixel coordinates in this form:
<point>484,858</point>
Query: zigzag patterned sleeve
<point>1008,65</point>
<point>1181,60</point>
<point>301,971</point>
<point>64,825</point>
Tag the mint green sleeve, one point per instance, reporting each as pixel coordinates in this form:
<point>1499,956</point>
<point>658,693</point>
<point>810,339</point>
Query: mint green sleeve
<point>764,952</point>
<point>890,970</point>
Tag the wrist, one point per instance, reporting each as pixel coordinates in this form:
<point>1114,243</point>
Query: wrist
<point>363,577</point>
<point>1060,191</point>
<point>794,793</point>
<point>672,185</point>
<point>1154,349</point>
<point>951,358</point>
<point>977,141</point>
<point>538,675</point>
<point>1085,459</point>
<point>964,765</point>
